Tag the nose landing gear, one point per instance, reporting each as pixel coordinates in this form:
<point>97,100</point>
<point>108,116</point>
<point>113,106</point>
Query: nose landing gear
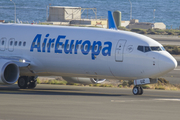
<point>137,90</point>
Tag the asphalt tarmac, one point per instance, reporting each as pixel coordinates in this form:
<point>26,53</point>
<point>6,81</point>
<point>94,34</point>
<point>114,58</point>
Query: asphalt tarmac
<point>56,102</point>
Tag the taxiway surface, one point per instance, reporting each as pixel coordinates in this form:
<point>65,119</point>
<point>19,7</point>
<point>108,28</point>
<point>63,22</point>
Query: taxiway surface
<point>174,76</point>
<point>166,39</point>
<point>55,102</point>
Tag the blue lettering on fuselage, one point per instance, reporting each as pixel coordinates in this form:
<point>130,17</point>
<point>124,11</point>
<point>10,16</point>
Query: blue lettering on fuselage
<point>71,45</point>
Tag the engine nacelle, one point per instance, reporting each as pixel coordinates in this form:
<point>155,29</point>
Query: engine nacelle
<point>83,80</point>
<point>9,72</point>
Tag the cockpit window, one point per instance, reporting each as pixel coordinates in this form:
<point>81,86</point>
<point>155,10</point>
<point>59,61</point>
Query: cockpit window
<point>156,48</point>
<point>140,48</point>
<point>144,48</point>
<point>150,48</point>
<point>147,49</point>
<point>163,48</point>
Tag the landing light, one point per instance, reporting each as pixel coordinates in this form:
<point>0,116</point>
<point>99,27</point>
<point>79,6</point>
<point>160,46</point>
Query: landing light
<point>22,60</point>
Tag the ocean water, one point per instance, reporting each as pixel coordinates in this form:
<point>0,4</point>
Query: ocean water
<point>167,11</point>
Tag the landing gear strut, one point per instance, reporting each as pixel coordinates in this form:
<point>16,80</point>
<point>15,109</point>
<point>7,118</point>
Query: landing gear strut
<point>27,82</point>
<point>137,90</point>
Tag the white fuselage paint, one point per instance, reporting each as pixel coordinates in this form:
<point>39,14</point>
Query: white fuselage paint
<point>125,61</point>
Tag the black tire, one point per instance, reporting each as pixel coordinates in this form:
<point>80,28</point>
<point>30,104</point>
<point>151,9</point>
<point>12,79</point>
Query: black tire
<point>32,85</point>
<point>140,90</point>
<point>23,82</point>
<point>135,90</point>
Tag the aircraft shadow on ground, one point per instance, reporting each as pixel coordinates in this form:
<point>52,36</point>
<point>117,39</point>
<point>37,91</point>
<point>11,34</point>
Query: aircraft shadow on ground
<point>42,91</point>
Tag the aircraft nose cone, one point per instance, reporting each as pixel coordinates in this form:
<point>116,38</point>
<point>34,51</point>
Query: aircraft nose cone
<point>166,63</point>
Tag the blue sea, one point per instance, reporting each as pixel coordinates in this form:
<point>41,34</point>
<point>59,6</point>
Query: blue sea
<point>166,11</point>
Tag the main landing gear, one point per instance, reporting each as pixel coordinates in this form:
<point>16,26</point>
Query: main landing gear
<point>27,82</point>
<point>137,90</point>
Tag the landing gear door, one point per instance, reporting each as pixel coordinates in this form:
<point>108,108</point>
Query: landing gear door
<point>120,50</point>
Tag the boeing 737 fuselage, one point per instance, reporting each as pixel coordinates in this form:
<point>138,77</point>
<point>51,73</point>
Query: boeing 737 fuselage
<point>79,54</point>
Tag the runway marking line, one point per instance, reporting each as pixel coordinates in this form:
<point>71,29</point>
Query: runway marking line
<point>129,100</point>
<point>176,69</point>
<point>178,100</point>
<point>120,101</point>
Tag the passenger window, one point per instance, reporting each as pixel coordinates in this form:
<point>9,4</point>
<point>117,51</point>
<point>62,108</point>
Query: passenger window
<point>91,47</point>
<point>100,48</point>
<point>72,46</point>
<point>95,48</point>
<point>52,45</point>
<point>2,42</point>
<point>48,45</point>
<point>57,46</point>
<point>86,47</point>
<point>81,47</point>
<point>67,46</point>
<point>38,44</point>
<point>33,44</point>
<point>43,45</point>
<point>20,43</point>
<point>140,48</point>
<point>24,43</point>
<point>147,49</point>
<point>15,43</point>
<point>62,45</point>
<point>77,46</point>
<point>11,43</point>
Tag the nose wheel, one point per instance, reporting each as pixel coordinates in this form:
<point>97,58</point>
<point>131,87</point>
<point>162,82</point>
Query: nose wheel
<point>137,90</point>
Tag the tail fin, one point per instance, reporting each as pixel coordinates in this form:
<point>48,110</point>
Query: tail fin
<point>111,22</point>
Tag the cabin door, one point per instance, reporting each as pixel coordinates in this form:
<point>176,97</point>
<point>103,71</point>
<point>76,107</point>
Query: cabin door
<point>120,50</point>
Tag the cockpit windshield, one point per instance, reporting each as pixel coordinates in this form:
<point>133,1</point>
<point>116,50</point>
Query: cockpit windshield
<point>163,48</point>
<point>147,48</point>
<point>156,48</point>
<point>150,48</point>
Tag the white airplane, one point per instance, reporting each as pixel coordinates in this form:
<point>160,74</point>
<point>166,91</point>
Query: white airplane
<point>80,54</point>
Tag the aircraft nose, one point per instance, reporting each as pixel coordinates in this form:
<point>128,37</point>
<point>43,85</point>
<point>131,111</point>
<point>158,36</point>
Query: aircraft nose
<point>166,63</point>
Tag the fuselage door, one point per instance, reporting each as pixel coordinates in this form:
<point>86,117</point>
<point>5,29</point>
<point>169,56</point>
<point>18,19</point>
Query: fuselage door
<point>120,50</point>
<point>11,44</point>
<point>3,44</point>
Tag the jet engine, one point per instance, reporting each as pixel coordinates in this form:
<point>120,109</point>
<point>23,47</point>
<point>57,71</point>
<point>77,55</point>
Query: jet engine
<point>83,80</point>
<point>9,72</point>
